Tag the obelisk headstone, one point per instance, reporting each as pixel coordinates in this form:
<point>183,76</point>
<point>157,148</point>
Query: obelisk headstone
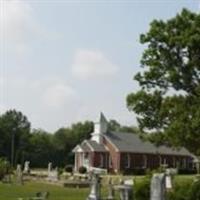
<point>95,193</point>
<point>158,188</point>
<point>49,168</point>
<point>27,167</point>
<point>19,175</point>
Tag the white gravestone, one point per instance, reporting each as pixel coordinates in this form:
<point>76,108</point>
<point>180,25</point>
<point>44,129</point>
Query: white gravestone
<point>95,192</point>
<point>27,167</point>
<point>125,189</point>
<point>170,172</point>
<point>168,182</point>
<point>53,175</point>
<point>19,175</point>
<point>158,187</point>
<point>49,168</point>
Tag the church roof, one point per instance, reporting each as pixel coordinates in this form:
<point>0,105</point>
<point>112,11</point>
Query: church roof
<point>97,147</point>
<point>129,142</point>
<point>89,145</point>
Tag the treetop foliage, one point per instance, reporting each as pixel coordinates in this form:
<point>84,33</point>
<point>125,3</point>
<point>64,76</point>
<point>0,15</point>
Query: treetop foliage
<point>168,101</point>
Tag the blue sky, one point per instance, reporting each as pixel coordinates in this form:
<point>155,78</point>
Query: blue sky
<point>65,61</point>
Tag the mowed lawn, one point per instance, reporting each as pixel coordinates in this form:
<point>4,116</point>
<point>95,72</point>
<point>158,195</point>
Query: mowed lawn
<point>29,189</point>
<point>12,192</point>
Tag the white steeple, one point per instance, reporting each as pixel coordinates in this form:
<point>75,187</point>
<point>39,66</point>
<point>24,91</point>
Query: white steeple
<point>100,128</point>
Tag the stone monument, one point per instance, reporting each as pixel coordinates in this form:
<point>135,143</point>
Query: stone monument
<point>95,192</point>
<point>53,175</point>
<point>19,175</point>
<point>158,187</point>
<point>125,189</point>
<point>168,179</point>
<point>27,167</point>
<point>49,168</point>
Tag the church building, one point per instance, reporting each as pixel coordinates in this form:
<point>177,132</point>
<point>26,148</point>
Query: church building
<point>119,152</point>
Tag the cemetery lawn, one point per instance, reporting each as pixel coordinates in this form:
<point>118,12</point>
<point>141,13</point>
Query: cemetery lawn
<point>12,191</point>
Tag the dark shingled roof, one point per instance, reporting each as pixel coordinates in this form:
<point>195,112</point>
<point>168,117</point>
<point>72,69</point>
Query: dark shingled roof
<point>97,147</point>
<point>128,142</point>
<point>85,147</point>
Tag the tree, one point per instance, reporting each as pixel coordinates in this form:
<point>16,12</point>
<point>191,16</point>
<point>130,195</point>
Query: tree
<point>65,139</point>
<point>113,125</point>
<point>167,105</point>
<point>41,149</point>
<point>15,132</point>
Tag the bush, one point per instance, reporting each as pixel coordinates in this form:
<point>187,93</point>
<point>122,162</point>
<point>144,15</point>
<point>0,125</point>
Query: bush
<point>187,171</point>
<point>136,171</point>
<point>69,168</point>
<point>142,189</point>
<point>60,171</point>
<point>194,193</point>
<point>4,168</point>
<point>180,190</point>
<point>82,170</point>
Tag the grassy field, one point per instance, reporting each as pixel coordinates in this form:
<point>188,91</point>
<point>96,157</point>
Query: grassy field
<point>12,192</point>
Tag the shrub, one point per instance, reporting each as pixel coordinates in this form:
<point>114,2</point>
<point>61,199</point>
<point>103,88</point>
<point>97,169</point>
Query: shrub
<point>4,168</point>
<point>194,193</point>
<point>60,171</point>
<point>180,190</point>
<point>69,168</point>
<point>187,171</point>
<point>136,171</point>
<point>82,170</point>
<point>142,189</point>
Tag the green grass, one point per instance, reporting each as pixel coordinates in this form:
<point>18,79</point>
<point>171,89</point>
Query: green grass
<point>12,192</point>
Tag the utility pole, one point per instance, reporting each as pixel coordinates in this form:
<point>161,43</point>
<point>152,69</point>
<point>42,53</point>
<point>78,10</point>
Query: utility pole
<point>13,148</point>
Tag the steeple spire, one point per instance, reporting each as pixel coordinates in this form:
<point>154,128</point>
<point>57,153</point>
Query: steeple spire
<point>100,128</point>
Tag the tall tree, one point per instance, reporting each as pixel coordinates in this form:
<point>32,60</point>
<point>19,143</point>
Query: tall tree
<point>15,132</point>
<point>168,102</point>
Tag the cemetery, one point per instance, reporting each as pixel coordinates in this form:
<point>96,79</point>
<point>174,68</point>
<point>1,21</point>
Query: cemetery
<point>64,61</point>
<point>49,184</point>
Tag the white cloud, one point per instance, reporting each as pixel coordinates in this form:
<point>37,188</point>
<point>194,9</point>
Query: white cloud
<point>19,26</point>
<point>92,64</point>
<point>16,18</point>
<point>59,95</point>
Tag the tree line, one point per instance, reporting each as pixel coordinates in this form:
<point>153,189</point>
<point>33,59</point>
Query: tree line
<point>19,142</point>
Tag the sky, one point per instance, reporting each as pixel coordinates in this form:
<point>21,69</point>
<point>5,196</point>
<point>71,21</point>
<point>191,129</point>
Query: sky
<point>64,61</point>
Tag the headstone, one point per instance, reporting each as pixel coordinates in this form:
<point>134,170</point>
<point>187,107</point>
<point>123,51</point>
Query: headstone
<point>19,175</point>
<point>168,178</point>
<point>95,192</point>
<point>129,182</point>
<point>53,175</point>
<point>197,164</point>
<point>27,167</point>
<point>168,182</point>
<point>49,169</point>
<point>158,187</point>
<point>110,190</point>
<point>125,189</point>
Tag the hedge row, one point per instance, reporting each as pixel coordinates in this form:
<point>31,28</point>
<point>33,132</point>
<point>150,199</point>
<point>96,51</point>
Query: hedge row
<point>183,189</point>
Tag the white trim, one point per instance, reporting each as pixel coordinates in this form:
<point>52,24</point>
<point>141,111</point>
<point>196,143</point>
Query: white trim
<point>145,161</point>
<point>91,148</point>
<point>77,148</point>
<point>128,161</point>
